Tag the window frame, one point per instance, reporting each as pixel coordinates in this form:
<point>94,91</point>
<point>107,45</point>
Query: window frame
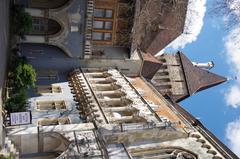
<point>104,24</point>
<point>103,36</point>
<point>104,13</point>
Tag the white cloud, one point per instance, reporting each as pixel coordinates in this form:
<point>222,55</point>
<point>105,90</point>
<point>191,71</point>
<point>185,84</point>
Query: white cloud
<point>193,24</point>
<point>234,5</point>
<point>233,136</point>
<point>233,96</point>
<point>232,49</point>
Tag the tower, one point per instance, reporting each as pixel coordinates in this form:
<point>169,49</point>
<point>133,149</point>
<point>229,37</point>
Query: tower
<point>179,78</point>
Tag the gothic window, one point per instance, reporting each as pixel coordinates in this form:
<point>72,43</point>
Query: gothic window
<point>44,26</point>
<point>44,4</point>
<point>38,24</point>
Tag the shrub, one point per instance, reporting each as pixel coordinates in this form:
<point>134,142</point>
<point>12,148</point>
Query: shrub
<point>17,102</point>
<point>21,76</point>
<point>24,76</point>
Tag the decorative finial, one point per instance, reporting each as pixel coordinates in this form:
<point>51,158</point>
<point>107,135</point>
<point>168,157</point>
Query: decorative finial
<point>207,65</point>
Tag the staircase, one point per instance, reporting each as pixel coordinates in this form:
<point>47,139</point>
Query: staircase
<point>9,149</point>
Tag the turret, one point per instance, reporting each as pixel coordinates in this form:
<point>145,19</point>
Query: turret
<point>179,78</point>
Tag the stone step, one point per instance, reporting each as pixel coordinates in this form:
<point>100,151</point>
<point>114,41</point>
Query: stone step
<point>10,149</point>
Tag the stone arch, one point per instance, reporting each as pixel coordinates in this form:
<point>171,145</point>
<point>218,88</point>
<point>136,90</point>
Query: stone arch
<point>32,49</point>
<point>164,153</point>
<point>45,26</point>
<point>63,27</point>
<point>54,142</point>
<point>48,4</point>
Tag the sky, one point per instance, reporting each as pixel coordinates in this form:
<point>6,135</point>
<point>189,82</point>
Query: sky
<point>218,108</point>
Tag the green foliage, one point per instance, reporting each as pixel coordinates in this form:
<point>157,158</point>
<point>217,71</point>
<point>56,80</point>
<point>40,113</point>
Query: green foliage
<point>6,157</point>
<point>17,102</point>
<point>24,76</point>
<point>21,21</point>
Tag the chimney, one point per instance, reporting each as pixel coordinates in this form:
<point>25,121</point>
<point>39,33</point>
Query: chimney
<point>207,65</point>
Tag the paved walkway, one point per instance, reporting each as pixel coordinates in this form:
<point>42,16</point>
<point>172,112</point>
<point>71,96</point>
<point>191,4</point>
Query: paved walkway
<point>4,26</point>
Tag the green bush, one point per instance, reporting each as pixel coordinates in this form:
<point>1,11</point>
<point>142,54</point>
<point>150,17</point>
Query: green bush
<point>24,76</point>
<point>21,21</point>
<point>17,102</point>
<point>21,76</point>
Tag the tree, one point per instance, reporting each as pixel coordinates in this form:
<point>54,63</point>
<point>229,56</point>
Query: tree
<point>24,76</point>
<point>21,21</point>
<point>17,102</point>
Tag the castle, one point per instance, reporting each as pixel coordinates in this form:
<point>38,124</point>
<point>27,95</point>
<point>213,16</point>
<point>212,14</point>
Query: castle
<point>101,91</point>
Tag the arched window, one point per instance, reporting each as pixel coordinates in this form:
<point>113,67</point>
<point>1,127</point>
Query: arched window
<point>44,26</point>
<point>47,4</point>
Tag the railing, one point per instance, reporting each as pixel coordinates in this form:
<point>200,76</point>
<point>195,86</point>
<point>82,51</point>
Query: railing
<point>88,29</point>
<point>139,126</point>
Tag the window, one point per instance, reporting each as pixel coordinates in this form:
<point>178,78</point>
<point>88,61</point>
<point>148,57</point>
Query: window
<point>48,89</point>
<point>103,13</point>
<point>98,24</point>
<point>162,73</point>
<point>99,12</point>
<point>47,74</point>
<point>107,36</point>
<point>108,13</point>
<point>97,36</point>
<point>53,121</point>
<point>51,105</point>
<point>162,60</point>
<point>38,24</point>
<point>102,25</point>
<point>108,25</point>
<point>102,36</point>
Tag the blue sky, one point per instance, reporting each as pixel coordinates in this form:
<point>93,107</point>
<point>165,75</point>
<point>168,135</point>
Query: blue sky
<point>218,108</point>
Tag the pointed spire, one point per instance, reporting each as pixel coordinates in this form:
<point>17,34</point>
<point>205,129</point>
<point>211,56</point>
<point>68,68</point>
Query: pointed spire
<point>198,79</point>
